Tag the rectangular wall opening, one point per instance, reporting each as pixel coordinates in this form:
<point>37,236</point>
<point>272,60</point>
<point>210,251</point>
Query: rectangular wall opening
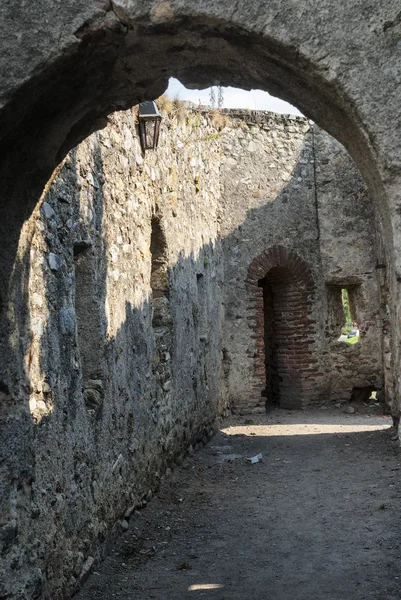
<point>342,318</point>
<point>161,311</point>
<point>89,331</point>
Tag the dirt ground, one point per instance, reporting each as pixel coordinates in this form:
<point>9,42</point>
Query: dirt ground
<point>317,518</point>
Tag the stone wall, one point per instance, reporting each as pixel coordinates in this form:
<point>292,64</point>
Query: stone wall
<point>133,310</point>
<point>121,371</point>
<point>293,199</point>
<point>349,256</point>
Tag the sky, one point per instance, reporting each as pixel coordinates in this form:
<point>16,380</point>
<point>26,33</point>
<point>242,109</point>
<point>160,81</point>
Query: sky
<point>233,98</point>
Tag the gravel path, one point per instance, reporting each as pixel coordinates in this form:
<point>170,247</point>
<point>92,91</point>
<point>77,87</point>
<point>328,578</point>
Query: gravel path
<point>317,518</point>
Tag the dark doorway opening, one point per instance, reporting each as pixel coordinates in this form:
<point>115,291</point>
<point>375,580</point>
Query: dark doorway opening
<point>285,311</point>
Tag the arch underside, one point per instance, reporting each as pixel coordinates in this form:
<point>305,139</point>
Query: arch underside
<point>114,64</point>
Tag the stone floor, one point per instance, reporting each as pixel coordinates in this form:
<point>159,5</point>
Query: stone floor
<point>317,517</point>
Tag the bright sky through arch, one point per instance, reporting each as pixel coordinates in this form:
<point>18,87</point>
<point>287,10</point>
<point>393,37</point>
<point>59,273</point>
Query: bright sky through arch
<point>233,98</point>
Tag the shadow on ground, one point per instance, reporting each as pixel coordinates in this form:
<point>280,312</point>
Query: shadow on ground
<point>316,518</point>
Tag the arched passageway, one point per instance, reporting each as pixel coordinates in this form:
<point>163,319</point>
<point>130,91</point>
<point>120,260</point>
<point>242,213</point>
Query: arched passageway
<point>96,57</point>
<point>64,74</point>
<point>281,303</point>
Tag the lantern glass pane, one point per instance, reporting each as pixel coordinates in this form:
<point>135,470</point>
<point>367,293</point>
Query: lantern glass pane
<point>150,133</point>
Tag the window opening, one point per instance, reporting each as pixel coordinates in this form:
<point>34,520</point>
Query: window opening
<point>350,329</point>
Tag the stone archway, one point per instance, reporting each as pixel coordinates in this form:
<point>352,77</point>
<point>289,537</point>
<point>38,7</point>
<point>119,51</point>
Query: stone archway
<point>281,295</point>
<point>63,75</point>
<point>98,56</point>
<point>65,67</point>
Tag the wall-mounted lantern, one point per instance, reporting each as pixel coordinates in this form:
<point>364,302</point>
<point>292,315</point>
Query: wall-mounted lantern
<point>149,125</point>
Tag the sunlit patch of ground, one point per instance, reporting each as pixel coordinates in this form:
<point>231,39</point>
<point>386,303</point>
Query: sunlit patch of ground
<point>308,422</point>
<point>205,586</point>
<point>302,429</point>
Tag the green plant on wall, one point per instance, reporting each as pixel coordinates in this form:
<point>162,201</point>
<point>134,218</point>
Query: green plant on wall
<point>210,137</point>
<point>197,122</point>
<point>347,312</point>
<point>205,261</point>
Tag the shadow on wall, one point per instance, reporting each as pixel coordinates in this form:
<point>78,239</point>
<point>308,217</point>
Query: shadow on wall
<point>117,391</point>
<point>109,401</point>
<point>266,363</point>
<point>285,223</point>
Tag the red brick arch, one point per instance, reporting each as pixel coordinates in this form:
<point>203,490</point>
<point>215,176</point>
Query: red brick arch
<point>281,298</point>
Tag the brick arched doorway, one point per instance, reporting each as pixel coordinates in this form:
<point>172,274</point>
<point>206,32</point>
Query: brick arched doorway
<point>281,295</point>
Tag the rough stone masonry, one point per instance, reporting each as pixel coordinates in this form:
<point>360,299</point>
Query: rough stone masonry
<point>63,68</point>
<point>146,317</point>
